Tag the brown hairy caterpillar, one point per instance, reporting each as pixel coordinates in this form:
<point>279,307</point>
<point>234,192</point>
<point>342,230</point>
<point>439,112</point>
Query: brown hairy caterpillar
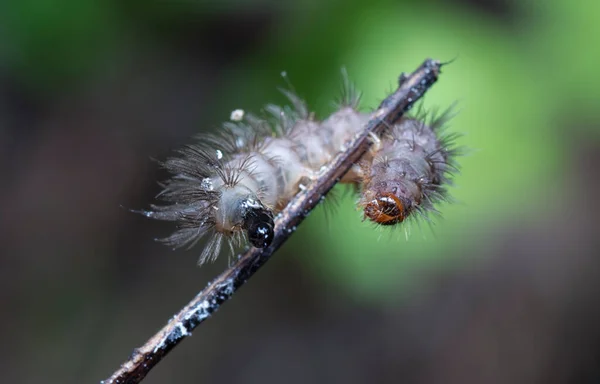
<point>230,185</point>
<point>408,169</point>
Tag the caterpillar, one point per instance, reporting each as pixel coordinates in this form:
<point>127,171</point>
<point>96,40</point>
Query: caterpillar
<point>408,170</point>
<point>230,184</point>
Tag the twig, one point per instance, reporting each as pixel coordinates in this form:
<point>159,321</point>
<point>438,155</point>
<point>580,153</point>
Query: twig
<point>143,359</point>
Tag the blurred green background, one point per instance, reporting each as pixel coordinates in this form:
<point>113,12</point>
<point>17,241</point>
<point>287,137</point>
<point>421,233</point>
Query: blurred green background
<point>502,289</point>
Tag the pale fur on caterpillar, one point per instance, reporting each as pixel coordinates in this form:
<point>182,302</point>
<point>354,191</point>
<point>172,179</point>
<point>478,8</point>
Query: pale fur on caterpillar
<point>231,184</point>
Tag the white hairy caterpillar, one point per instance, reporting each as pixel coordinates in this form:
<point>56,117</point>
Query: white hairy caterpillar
<point>230,185</point>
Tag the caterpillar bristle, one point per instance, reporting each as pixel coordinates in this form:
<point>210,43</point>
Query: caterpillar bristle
<point>299,107</point>
<point>349,96</point>
<point>212,249</point>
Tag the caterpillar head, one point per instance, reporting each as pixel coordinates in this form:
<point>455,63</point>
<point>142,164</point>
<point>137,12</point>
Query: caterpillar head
<point>258,223</point>
<point>386,209</point>
<point>388,202</point>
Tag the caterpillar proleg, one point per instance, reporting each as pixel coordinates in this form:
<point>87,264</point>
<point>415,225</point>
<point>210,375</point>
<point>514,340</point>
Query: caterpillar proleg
<point>231,184</point>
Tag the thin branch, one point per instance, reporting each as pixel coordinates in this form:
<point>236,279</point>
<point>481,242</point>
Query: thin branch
<point>143,359</point>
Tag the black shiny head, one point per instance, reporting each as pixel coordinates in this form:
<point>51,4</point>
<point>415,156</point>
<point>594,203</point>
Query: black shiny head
<point>258,222</point>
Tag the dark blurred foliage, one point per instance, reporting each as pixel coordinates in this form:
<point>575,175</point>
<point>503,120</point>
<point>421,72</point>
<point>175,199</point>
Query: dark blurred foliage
<point>505,290</point>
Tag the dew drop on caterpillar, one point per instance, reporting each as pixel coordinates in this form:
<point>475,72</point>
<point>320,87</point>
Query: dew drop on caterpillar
<point>230,185</point>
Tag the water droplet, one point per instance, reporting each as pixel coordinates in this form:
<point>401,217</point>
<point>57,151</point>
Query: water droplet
<point>237,115</point>
<point>206,184</point>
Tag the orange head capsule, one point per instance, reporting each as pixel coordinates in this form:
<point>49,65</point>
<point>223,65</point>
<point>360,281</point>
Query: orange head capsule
<point>386,209</point>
